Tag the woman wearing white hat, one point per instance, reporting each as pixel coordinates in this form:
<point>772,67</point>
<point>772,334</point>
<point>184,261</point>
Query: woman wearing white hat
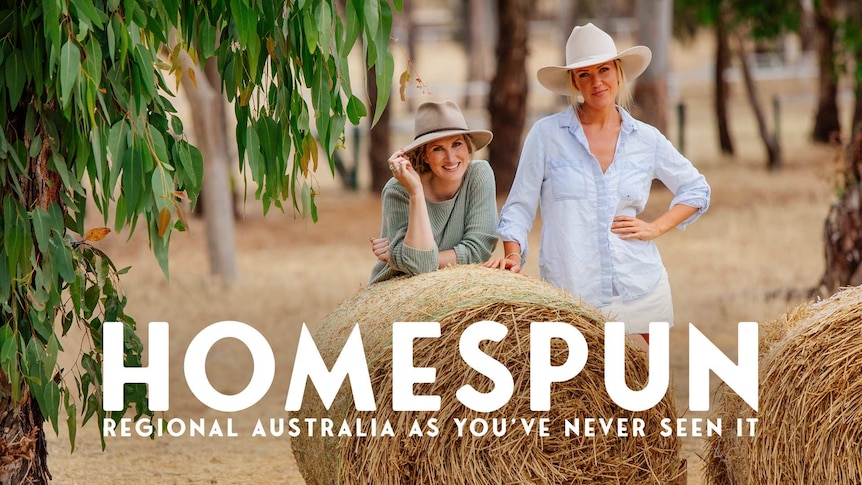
<point>591,169</point>
<point>440,207</point>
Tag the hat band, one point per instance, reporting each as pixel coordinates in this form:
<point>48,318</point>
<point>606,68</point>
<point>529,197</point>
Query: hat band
<point>438,130</point>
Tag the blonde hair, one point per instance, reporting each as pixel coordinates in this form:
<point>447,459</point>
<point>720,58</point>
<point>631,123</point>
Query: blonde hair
<point>624,94</point>
<point>417,155</point>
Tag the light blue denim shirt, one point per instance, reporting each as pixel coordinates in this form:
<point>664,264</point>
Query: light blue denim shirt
<point>578,252</point>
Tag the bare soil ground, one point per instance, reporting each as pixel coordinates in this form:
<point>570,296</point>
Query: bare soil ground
<point>760,242</point>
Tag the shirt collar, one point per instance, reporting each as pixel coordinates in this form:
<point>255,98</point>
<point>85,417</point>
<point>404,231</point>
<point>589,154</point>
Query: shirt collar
<point>570,120</point>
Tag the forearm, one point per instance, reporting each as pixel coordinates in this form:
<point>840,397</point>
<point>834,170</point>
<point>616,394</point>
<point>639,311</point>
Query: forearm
<point>511,247</point>
<point>419,234</point>
<point>673,217</point>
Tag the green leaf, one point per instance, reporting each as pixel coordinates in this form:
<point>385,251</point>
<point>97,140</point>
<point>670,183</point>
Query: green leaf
<point>71,419</point>
<point>159,149</point>
<point>252,151</point>
<point>246,24</point>
<point>354,26</point>
<point>5,280</point>
<point>9,359</point>
<point>62,256</point>
<point>42,228</point>
<point>16,77</point>
<point>8,347</point>
<point>384,80</point>
<point>177,125</point>
<point>51,403</point>
<point>163,187</point>
<point>198,164</point>
<point>133,178</point>
<point>306,198</point>
<point>310,31</point>
<point>372,16</point>
<point>50,361</point>
<point>86,10</point>
<point>118,143</point>
<point>355,110</point>
<point>323,16</point>
<point>112,40</point>
<point>70,67</point>
<point>99,148</point>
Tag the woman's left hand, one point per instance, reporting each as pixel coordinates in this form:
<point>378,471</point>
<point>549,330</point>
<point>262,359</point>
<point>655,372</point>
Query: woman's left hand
<point>633,228</point>
<point>380,248</point>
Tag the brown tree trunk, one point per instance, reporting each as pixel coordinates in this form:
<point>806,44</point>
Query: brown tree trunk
<point>507,102</point>
<point>476,48</point>
<point>379,140</point>
<point>23,451</point>
<point>23,455</point>
<point>650,93</point>
<point>827,127</point>
<point>216,193</point>
<point>722,89</point>
<point>773,149</point>
<point>843,227</point>
<point>854,16</point>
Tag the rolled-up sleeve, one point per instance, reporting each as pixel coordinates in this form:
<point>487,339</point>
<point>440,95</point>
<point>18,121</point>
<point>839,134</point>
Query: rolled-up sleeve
<point>480,220</point>
<point>519,211</point>
<point>687,184</point>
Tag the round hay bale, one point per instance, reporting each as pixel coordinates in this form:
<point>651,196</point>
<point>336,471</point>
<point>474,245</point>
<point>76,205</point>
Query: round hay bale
<point>810,402</point>
<point>456,298</point>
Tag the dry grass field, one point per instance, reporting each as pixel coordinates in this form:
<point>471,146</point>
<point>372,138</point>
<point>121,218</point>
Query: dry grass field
<point>760,241</point>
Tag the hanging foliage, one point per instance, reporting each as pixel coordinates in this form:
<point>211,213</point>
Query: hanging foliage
<point>86,116</point>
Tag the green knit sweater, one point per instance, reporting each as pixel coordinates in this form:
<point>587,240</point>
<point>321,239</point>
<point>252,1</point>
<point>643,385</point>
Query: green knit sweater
<point>466,223</point>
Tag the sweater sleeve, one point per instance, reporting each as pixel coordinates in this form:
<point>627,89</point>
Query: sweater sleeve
<point>480,218</point>
<point>408,260</point>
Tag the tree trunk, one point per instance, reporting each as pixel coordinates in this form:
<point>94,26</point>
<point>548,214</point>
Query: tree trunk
<point>23,455</point>
<point>23,451</point>
<point>211,136</point>
<point>843,227</point>
<point>722,89</point>
<point>773,149</point>
<point>477,47</point>
<point>854,16</point>
<point>507,102</point>
<point>827,127</point>
<point>379,140</point>
<point>655,18</point>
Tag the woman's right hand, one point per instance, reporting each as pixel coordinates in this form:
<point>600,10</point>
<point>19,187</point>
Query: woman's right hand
<point>511,262</point>
<point>402,170</point>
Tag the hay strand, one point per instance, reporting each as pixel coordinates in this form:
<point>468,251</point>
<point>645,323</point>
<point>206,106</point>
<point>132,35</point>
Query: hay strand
<point>810,401</point>
<point>457,298</point>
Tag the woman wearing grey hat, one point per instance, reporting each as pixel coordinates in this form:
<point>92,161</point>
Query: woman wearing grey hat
<point>440,206</point>
<point>591,168</point>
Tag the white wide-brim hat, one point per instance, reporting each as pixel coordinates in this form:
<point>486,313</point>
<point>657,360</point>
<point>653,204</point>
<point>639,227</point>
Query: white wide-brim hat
<point>587,46</point>
<point>435,120</point>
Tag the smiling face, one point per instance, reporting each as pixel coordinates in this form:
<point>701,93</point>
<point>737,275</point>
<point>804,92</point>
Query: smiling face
<point>448,157</point>
<point>598,84</point>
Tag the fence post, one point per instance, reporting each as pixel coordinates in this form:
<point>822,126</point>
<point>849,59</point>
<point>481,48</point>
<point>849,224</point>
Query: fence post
<point>680,109</point>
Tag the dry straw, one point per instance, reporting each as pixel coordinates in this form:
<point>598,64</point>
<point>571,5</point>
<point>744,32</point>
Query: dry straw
<point>456,298</point>
<point>810,402</point>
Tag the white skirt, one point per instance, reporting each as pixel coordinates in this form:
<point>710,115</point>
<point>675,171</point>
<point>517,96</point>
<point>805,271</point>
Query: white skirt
<point>657,306</point>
